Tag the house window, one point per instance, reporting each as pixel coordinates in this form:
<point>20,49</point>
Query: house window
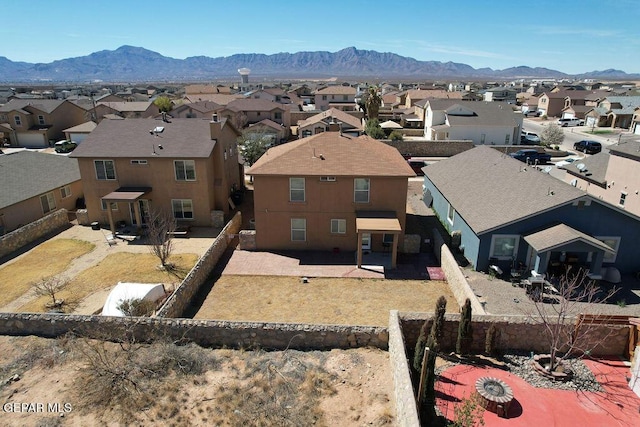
<point>182,208</point>
<point>338,226</point>
<point>298,229</point>
<point>296,190</point>
<point>614,243</point>
<point>65,191</point>
<point>103,205</point>
<point>324,97</point>
<point>48,202</point>
<point>138,162</point>
<point>185,170</point>
<point>327,179</point>
<point>450,214</point>
<point>361,190</point>
<point>277,115</point>
<point>17,120</point>
<point>387,238</point>
<point>482,138</point>
<point>345,97</point>
<point>506,139</point>
<point>623,198</point>
<point>504,246</point>
<point>41,120</point>
<point>105,169</point>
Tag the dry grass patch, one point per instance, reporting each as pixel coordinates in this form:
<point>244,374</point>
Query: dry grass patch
<point>46,260</point>
<point>322,300</point>
<point>117,267</point>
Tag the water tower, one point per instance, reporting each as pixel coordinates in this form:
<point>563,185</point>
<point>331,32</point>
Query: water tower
<point>244,73</point>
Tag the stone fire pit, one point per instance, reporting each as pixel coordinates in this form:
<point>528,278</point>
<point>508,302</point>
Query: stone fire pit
<point>495,395</point>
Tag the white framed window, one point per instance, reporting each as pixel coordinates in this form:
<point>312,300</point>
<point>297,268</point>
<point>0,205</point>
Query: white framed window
<point>623,198</point>
<point>185,170</point>
<point>17,120</point>
<point>451,212</point>
<point>105,169</point>
<point>614,243</point>
<point>327,179</point>
<point>338,226</point>
<point>41,120</point>
<point>182,208</point>
<point>138,162</point>
<point>361,188</point>
<point>296,190</point>
<point>48,202</point>
<point>506,139</point>
<point>298,230</point>
<point>65,191</point>
<point>103,205</point>
<point>482,138</point>
<point>504,246</point>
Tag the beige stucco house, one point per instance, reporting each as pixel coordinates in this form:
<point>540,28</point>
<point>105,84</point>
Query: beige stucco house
<point>338,97</point>
<point>185,166</point>
<point>333,192</point>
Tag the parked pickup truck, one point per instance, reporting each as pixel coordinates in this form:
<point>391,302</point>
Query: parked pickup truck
<point>531,156</point>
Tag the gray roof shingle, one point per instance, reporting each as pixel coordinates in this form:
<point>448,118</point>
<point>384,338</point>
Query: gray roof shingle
<point>27,174</point>
<point>489,189</point>
<point>131,138</point>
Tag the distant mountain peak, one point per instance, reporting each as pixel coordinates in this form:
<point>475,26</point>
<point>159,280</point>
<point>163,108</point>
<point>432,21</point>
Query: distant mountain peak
<point>134,63</point>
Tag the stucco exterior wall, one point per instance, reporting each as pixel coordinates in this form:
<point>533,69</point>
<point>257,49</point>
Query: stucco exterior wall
<point>323,201</point>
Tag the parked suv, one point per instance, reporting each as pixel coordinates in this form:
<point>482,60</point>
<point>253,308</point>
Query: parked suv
<point>529,137</point>
<point>531,156</point>
<point>570,122</point>
<point>588,147</point>
<point>532,113</point>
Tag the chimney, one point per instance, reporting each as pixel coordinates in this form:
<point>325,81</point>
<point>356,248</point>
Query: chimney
<point>214,118</point>
<point>334,127</point>
<point>215,127</point>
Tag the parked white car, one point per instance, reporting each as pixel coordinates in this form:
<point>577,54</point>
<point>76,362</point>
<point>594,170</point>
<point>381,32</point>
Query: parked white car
<point>570,122</point>
<point>566,162</point>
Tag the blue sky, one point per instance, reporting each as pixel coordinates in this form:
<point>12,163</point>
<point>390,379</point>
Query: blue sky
<point>572,37</point>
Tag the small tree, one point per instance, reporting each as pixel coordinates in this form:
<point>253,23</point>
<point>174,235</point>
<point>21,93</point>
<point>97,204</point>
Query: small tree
<point>253,145</point>
<point>163,103</point>
<point>49,287</point>
<point>552,134</point>
<point>435,333</point>
<point>162,225</point>
<point>465,332</point>
<point>373,129</point>
<point>568,337</point>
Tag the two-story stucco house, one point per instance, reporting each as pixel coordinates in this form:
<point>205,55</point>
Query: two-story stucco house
<point>331,191</point>
<point>338,97</point>
<point>185,166</point>
<point>34,123</point>
<point>492,123</point>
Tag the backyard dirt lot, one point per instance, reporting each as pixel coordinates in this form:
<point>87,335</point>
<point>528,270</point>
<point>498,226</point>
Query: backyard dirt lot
<point>322,300</point>
<point>96,383</point>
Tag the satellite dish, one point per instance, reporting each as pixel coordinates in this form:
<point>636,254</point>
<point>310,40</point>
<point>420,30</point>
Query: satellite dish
<point>580,166</point>
<point>547,169</point>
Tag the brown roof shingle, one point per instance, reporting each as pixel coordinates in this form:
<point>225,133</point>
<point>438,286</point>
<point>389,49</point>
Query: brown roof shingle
<point>332,154</point>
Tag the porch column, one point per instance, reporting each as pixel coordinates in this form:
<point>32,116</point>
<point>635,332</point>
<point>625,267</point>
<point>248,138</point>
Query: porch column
<point>359,256</point>
<point>394,251</point>
<point>110,216</point>
<point>136,213</point>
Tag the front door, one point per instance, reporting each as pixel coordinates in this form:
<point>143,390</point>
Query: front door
<point>366,241</point>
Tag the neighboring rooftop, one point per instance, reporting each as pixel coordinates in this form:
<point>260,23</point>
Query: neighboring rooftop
<point>472,113</point>
<point>20,168</point>
<point>594,169</point>
<point>489,189</point>
<point>44,105</point>
<point>629,149</point>
<point>177,138</point>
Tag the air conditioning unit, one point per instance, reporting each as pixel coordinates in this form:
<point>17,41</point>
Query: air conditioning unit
<point>574,182</point>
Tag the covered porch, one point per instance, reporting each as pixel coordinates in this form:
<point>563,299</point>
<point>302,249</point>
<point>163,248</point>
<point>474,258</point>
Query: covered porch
<point>130,195</point>
<point>385,223</point>
<point>555,249</point>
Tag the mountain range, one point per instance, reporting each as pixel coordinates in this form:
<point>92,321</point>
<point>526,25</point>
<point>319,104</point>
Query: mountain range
<point>136,64</point>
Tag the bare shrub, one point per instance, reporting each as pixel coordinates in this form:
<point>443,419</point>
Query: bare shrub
<point>162,225</point>
<point>136,307</point>
<point>49,287</point>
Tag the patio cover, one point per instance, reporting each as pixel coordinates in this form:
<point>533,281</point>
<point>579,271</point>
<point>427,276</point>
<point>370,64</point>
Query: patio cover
<point>126,194</point>
<point>390,124</point>
<point>378,222</point>
<point>560,235</point>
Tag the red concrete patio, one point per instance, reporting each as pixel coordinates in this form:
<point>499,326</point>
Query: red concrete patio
<point>616,406</point>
